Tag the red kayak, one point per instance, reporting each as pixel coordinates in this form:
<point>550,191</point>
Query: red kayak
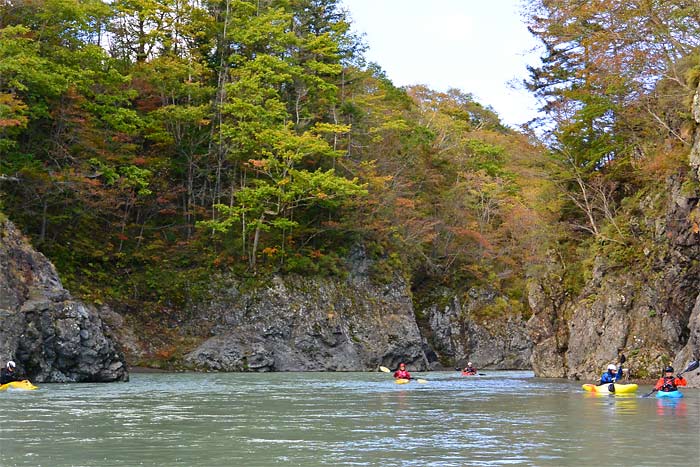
<point>464,373</point>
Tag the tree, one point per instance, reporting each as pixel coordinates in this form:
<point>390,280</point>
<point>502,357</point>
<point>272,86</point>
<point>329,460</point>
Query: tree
<point>604,66</point>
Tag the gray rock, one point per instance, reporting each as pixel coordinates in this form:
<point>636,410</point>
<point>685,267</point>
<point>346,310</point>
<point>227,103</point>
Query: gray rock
<point>648,313</point>
<point>51,337</point>
<point>457,336</point>
<point>296,323</point>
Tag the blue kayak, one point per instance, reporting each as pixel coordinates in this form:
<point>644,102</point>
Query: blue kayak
<point>670,394</point>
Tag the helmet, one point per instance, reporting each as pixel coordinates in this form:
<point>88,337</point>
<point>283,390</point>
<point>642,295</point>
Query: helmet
<point>669,369</point>
<point>11,364</point>
<point>612,367</point>
<point>469,364</point>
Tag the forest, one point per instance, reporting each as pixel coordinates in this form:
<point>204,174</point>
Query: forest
<point>147,145</point>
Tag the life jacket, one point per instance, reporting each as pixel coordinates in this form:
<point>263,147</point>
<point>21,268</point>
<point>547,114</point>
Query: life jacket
<point>402,374</point>
<point>669,384</point>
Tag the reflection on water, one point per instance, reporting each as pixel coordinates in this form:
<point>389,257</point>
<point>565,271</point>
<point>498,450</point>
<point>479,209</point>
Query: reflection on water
<point>672,407</point>
<point>322,419</point>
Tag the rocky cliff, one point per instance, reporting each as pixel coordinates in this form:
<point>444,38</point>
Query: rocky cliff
<point>459,331</point>
<point>286,323</point>
<point>646,306</point>
<point>50,336</point>
<point>295,323</point>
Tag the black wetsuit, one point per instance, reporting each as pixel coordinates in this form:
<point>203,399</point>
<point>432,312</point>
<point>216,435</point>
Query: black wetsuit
<point>7,376</point>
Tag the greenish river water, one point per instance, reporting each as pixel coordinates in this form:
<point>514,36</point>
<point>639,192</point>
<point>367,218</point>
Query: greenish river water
<point>358,419</point>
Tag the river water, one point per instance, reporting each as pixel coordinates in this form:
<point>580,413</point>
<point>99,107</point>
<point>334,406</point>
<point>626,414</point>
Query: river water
<point>358,419</point>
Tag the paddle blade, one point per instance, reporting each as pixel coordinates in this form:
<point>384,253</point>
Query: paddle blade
<point>623,359</point>
<point>384,369</point>
<point>692,366</point>
<point>421,380</point>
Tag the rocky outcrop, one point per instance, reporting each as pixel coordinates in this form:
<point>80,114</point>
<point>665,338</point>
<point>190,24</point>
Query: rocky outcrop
<point>547,326</point>
<point>642,311</point>
<point>51,337</point>
<point>691,351</point>
<point>458,333</point>
<point>648,308</point>
<point>296,323</point>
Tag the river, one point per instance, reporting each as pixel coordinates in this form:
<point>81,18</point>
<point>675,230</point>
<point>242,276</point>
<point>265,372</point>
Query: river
<point>353,419</point>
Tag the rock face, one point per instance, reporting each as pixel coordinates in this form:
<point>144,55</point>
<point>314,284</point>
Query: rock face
<point>51,337</point>
<point>310,324</point>
<point>691,351</point>
<point>458,337</point>
<point>648,309</point>
<point>643,312</point>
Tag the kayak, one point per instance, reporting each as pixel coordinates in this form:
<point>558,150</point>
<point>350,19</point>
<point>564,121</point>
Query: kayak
<point>464,373</point>
<point>402,380</point>
<point>604,388</point>
<point>24,385</point>
<point>669,394</point>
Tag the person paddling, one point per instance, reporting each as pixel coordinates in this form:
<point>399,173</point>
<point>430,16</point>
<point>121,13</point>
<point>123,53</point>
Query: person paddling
<point>402,373</point>
<point>7,374</point>
<point>612,375</point>
<point>668,382</point>
<point>469,369</point>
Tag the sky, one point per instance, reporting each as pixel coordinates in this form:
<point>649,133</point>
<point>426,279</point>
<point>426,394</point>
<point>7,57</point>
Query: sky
<point>477,46</point>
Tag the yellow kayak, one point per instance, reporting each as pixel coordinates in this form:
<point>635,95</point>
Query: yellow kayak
<point>402,380</point>
<point>24,385</point>
<point>605,388</point>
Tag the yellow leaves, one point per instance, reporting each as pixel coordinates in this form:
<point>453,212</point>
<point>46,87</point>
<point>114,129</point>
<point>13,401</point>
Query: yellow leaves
<point>326,128</point>
<point>398,124</point>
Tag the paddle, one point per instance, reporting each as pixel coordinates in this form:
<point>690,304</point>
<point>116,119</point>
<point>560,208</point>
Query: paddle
<point>384,369</point>
<point>691,366</point>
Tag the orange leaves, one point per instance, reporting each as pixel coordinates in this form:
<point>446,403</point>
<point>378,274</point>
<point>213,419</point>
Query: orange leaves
<point>331,224</point>
<point>270,251</point>
<point>468,234</point>
<point>92,182</point>
<point>404,203</point>
<point>8,122</point>
<point>12,111</point>
<point>259,163</point>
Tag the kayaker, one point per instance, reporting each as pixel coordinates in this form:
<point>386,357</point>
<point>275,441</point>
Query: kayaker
<point>668,382</point>
<point>469,369</point>
<point>7,374</point>
<point>611,375</point>
<point>402,373</point>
